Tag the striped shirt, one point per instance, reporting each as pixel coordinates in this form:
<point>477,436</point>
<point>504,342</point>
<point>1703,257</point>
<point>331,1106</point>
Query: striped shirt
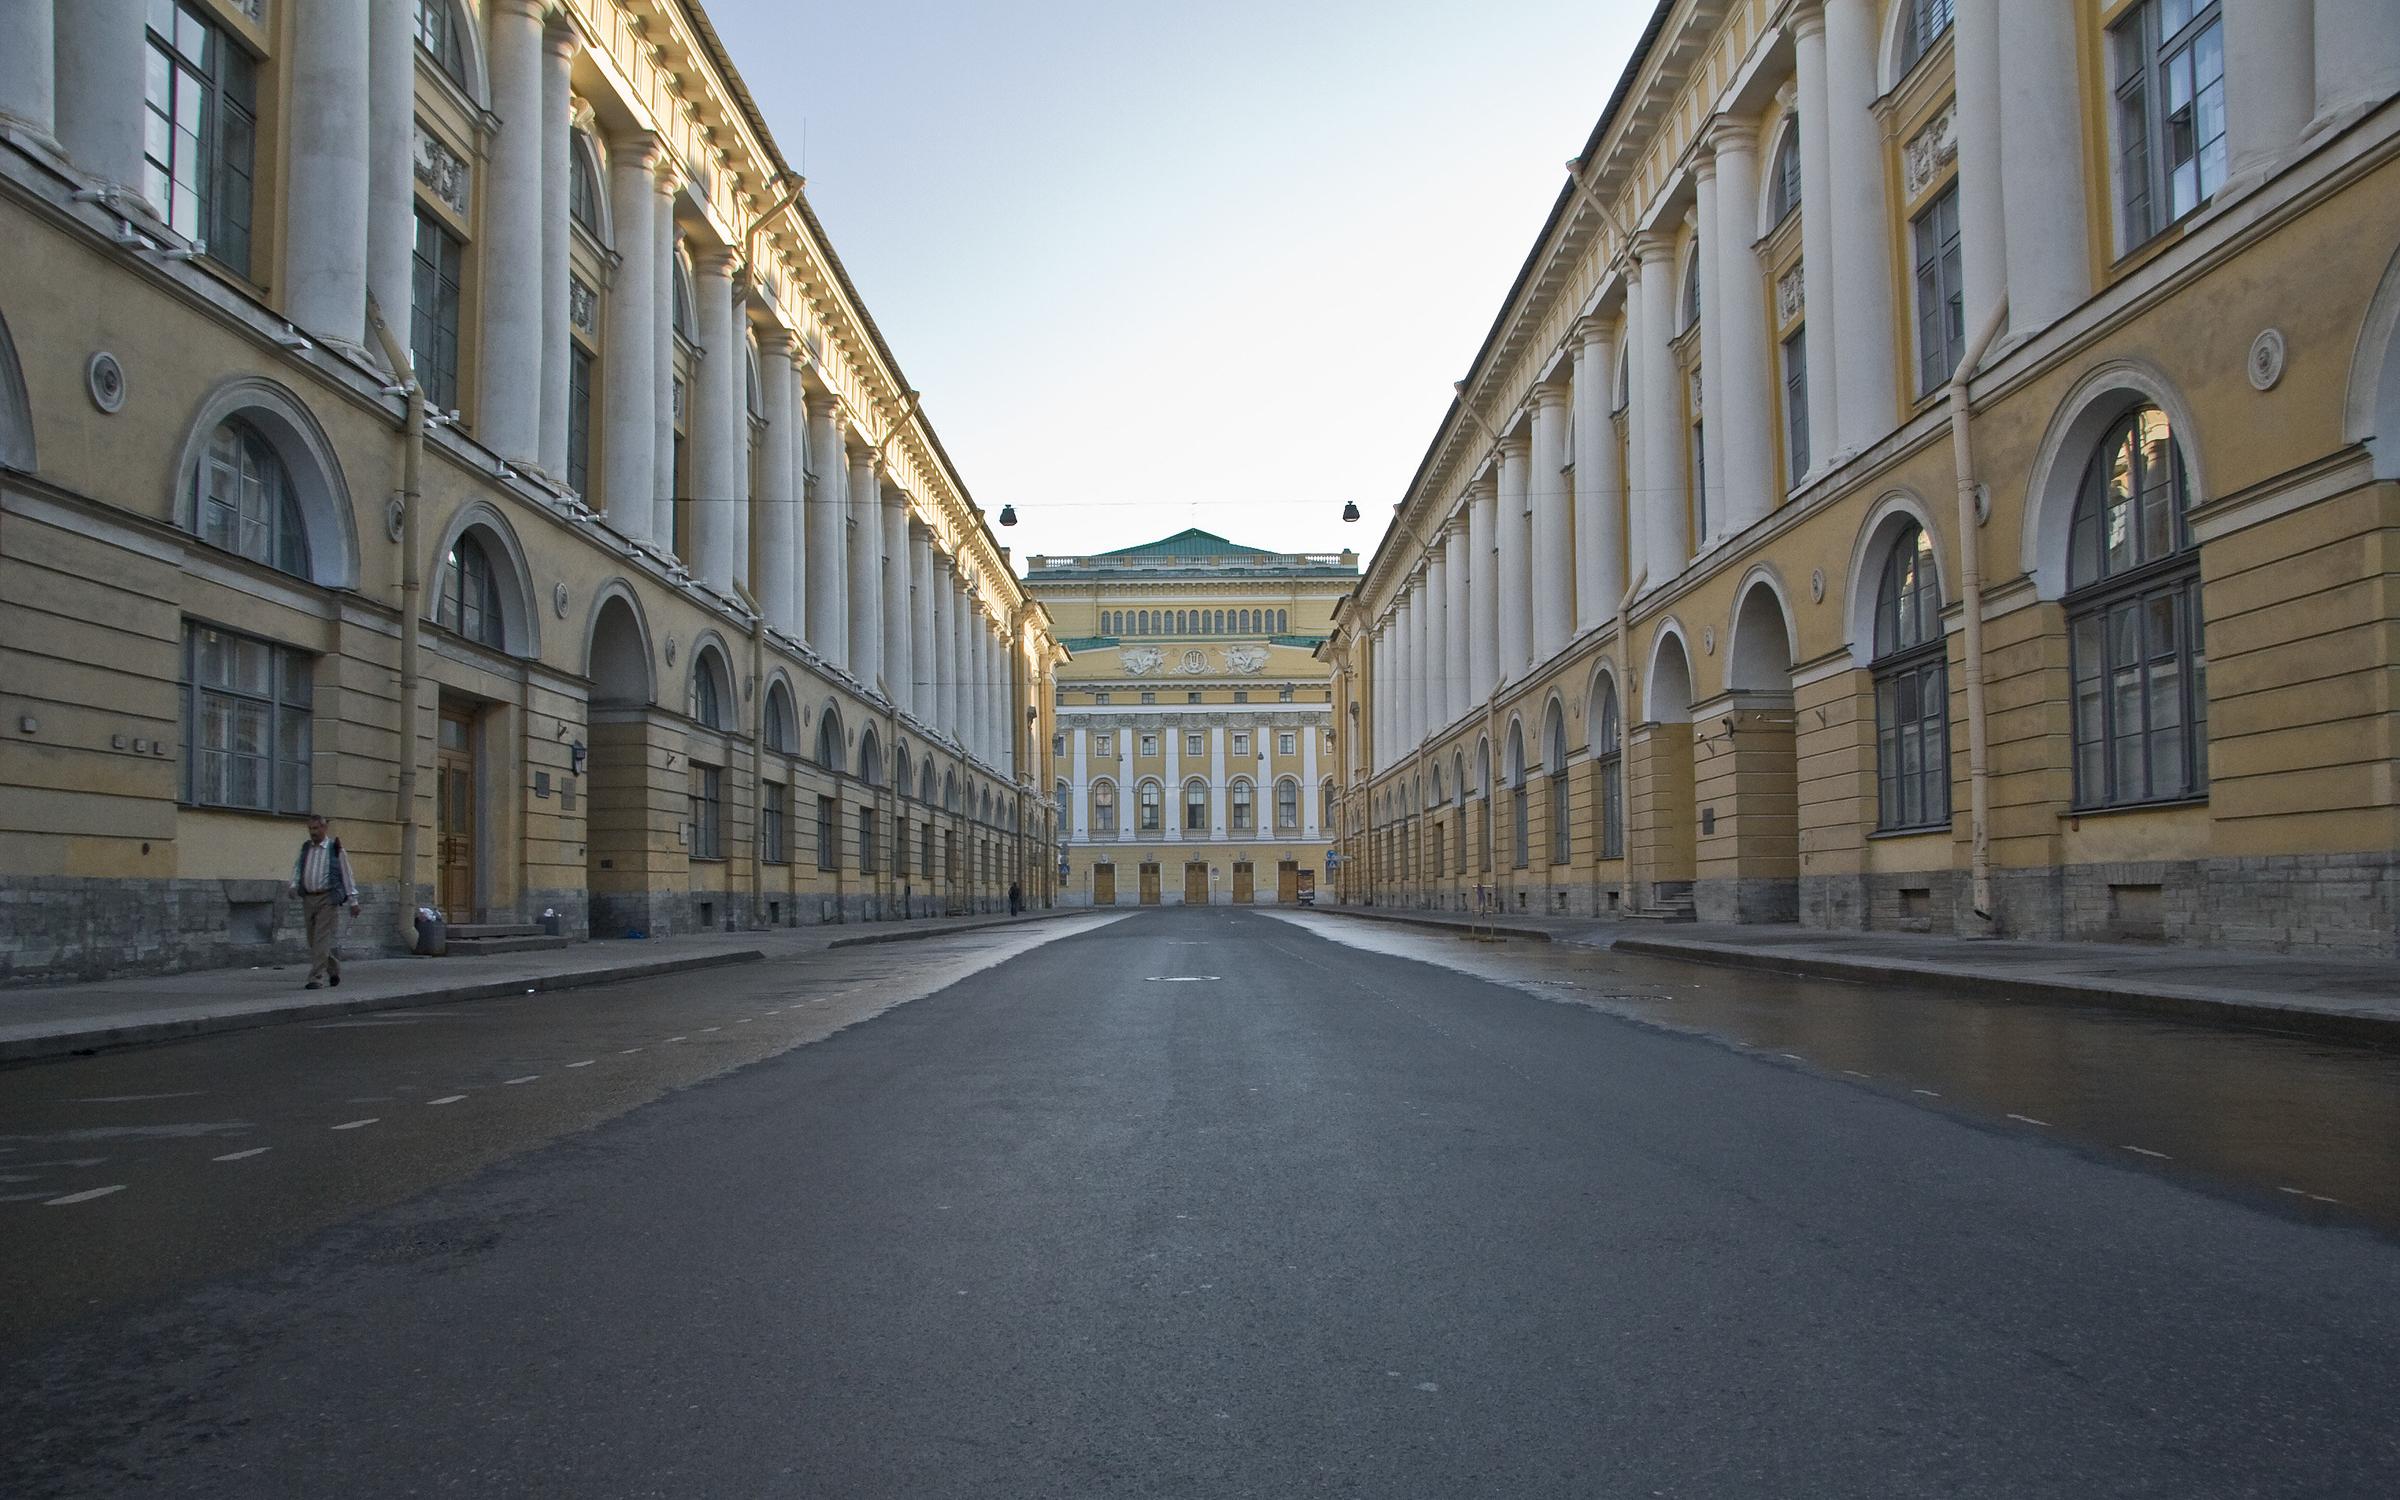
<point>316,870</point>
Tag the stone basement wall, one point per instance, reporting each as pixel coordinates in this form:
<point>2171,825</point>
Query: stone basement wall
<point>2345,905</point>
<point>60,929</point>
<point>1768,899</point>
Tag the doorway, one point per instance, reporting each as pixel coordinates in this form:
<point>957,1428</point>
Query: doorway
<point>1242,890</point>
<point>1195,883</point>
<point>1287,882</point>
<point>1104,885</point>
<point>1149,883</point>
<point>456,788</point>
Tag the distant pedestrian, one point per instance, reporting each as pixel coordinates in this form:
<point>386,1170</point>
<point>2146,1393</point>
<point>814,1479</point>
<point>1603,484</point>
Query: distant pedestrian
<point>1016,899</point>
<point>322,880</point>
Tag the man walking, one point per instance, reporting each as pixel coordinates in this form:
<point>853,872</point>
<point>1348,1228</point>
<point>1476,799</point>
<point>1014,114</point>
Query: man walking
<point>322,880</point>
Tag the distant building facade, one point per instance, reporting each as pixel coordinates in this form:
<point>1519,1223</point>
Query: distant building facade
<point>706,630</point>
<point>1935,470</point>
<point>1193,748</point>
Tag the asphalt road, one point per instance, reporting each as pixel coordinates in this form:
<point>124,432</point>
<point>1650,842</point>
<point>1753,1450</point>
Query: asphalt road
<point>1186,1203</point>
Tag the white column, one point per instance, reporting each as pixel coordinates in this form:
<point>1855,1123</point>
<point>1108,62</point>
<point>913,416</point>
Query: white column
<point>508,417</point>
<point>1378,715</point>
<point>1412,647</point>
<point>1125,789</point>
<point>980,646</point>
<point>1170,816</point>
<point>1553,550</point>
<point>719,485</point>
<point>778,506</point>
<point>1458,672</point>
<point>662,350</point>
<point>1483,580</point>
<point>962,662</point>
<point>629,389</point>
<point>1599,485</point>
<point>899,601</point>
<point>2041,164</point>
<point>2358,59</point>
<point>391,161</point>
<point>325,256</point>
<point>2270,82</point>
<point>1982,218</point>
<point>794,414</point>
<point>102,55</point>
<point>921,640</point>
<point>28,66</point>
<point>1080,789</point>
<point>1709,489</point>
<point>1818,288</point>
<point>1666,515</point>
<point>1220,794</point>
<point>1436,598</point>
<point>1740,395</point>
<point>1637,411</point>
<point>558,58</point>
<point>1868,405</point>
<point>1512,541</point>
<point>942,717</point>
<point>828,613</point>
<point>1310,829</point>
<point>865,542</point>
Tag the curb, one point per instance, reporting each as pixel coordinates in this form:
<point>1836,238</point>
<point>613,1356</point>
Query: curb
<point>905,934</point>
<point>2251,1015</point>
<point>1531,934</point>
<point>137,1033</point>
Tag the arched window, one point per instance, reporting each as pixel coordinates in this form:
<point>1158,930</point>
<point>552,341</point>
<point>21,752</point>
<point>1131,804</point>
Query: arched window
<point>1608,746</point>
<point>710,691</point>
<point>1151,807</point>
<point>1104,809</point>
<point>1458,787</point>
<point>686,324</point>
<point>1283,621</point>
<point>901,783</point>
<point>829,740</point>
<point>1287,806</point>
<point>1554,754</point>
<point>1325,807</point>
<point>1244,809</point>
<point>925,783</point>
<point>1925,23</point>
<point>1783,181</point>
<point>243,500</point>
<point>583,185</point>
<point>1521,845</point>
<point>441,32</point>
<point>1691,290</point>
<point>2134,623</point>
<point>1622,396</point>
<point>470,598</point>
<point>1912,689</point>
<point>1483,794</point>
<point>870,758</point>
<point>1244,626</point>
<point>783,734</point>
<point>1195,806</point>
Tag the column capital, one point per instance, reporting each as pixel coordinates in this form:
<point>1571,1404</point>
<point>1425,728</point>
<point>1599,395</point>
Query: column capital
<point>638,150</point>
<point>1552,394</point>
<point>1591,329</point>
<point>558,31</point>
<point>715,260</point>
<point>1808,18</point>
<point>774,338</point>
<point>1729,134</point>
<point>1516,443</point>
<point>1653,244</point>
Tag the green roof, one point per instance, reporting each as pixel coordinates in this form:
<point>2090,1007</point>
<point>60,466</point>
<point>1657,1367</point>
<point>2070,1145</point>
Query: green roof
<point>1190,542</point>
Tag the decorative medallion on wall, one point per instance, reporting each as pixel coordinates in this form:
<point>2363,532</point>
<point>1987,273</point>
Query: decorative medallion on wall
<point>1195,661</point>
<point>1708,639</point>
<point>583,306</point>
<point>395,518</point>
<point>2266,359</point>
<point>106,380</point>
<point>670,651</point>
<point>1929,150</point>
<point>1791,295</point>
<point>558,599</point>
<point>442,170</point>
<point>1816,584</point>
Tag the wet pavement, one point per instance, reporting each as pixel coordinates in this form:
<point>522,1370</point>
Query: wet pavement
<point>2308,1126</point>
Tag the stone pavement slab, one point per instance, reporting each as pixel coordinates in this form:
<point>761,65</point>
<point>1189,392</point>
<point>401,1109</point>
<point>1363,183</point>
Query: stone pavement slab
<point>55,1020</point>
<point>2356,999</point>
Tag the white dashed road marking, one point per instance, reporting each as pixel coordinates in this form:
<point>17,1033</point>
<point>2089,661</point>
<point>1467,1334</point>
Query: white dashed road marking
<point>2028,1119</point>
<point>86,1196</point>
<point>447,1099</point>
<point>1928,1093</point>
<point>355,1124</point>
<point>587,1062</point>
<point>2146,1151</point>
<point>243,1155</point>
<point>528,1078</point>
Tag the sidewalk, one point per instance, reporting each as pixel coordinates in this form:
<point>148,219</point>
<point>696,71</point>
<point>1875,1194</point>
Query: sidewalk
<point>2357,999</point>
<point>55,1020</point>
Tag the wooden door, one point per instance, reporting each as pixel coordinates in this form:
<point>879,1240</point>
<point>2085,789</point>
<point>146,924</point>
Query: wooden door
<point>1149,885</point>
<point>1104,885</point>
<point>1241,883</point>
<point>1287,881</point>
<point>1195,883</point>
<point>455,783</point>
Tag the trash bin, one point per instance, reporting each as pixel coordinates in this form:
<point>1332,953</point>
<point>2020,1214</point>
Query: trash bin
<point>551,925</point>
<point>433,934</point>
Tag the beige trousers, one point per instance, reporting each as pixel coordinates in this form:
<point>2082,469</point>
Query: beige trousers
<point>324,924</point>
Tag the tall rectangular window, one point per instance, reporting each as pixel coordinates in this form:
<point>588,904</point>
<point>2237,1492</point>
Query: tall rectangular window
<point>1699,485</point>
<point>708,811</point>
<point>829,848</point>
<point>433,314</point>
<point>2170,118</point>
<point>200,131</point>
<point>247,722</point>
<point>866,841</point>
<point>1795,404</point>
<point>1941,295</point>
<point>774,834</point>
<point>579,418</point>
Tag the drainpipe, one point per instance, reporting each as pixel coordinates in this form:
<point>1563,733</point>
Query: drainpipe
<point>412,463</point>
<point>758,744</point>
<point>1625,718</point>
<point>1970,567</point>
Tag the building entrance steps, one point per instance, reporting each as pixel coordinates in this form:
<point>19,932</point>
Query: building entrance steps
<point>2356,999</point>
<point>56,1020</point>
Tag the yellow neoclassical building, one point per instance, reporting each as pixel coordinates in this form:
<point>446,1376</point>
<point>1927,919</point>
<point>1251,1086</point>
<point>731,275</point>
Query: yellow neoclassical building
<point>1193,752</point>
<point>1935,470</point>
<point>608,568</point>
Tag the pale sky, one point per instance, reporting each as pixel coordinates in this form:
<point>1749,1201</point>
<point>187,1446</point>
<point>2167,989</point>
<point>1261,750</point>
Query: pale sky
<point>1212,263</point>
